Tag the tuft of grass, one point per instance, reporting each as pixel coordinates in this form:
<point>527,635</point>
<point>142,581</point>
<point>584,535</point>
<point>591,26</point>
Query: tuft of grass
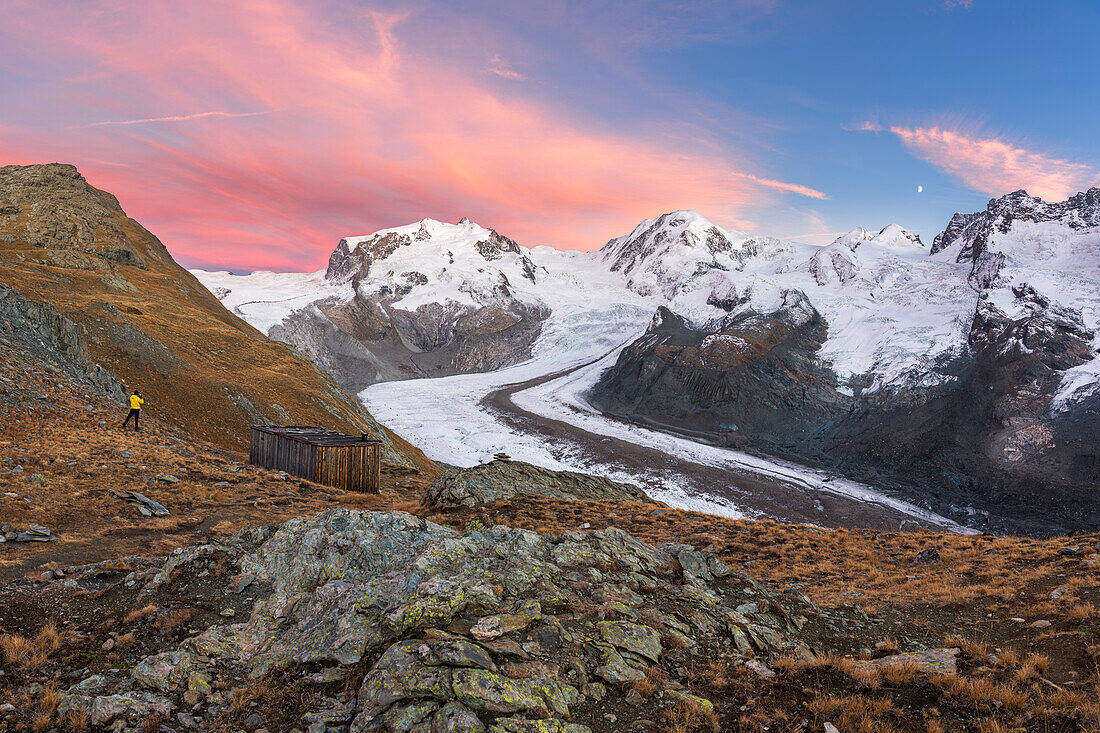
<point>49,638</point>
<point>1082,611</point>
<point>139,613</point>
<point>78,720</point>
<point>689,716</point>
<point>16,649</point>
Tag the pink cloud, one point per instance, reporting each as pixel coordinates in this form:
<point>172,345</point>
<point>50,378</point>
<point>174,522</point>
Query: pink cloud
<point>995,166</point>
<point>363,133</point>
<point>783,186</point>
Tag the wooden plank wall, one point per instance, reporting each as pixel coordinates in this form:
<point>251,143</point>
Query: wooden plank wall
<point>350,467</point>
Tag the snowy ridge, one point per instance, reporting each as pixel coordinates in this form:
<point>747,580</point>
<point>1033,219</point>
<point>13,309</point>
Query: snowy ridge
<point>1027,256</point>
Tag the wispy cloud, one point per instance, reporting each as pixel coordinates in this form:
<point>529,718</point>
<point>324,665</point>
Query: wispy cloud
<point>995,165</point>
<point>503,69</point>
<point>784,186</point>
<point>864,126</point>
<point>178,118</point>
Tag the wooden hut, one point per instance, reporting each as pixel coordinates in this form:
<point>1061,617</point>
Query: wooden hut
<point>325,456</point>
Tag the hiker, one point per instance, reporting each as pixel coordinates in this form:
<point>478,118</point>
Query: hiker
<point>135,410</point>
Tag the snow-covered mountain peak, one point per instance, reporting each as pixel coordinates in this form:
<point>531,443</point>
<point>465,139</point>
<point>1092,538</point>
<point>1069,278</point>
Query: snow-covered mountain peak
<point>426,244</point>
<point>854,238</point>
<point>900,240</point>
<point>662,255</point>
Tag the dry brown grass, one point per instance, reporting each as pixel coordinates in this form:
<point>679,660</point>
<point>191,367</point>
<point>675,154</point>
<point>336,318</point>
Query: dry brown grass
<point>901,673</point>
<point>653,681</point>
<point>49,699</point>
<point>983,691</point>
<point>853,712</point>
<point>176,619</point>
<point>1082,611</point>
<point>689,716</point>
<point>31,654</point>
<point>78,720</point>
<point>49,638</point>
<point>139,613</point>
<point>16,649</point>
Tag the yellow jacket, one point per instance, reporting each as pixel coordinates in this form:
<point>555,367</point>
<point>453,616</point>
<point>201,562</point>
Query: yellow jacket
<point>136,402</point>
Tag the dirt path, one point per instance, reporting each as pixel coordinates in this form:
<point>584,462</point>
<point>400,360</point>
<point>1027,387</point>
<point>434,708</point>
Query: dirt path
<point>756,494</point>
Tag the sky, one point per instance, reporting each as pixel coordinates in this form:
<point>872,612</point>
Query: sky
<point>254,134</point>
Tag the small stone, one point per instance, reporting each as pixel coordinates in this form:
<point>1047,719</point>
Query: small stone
<point>927,556</point>
<point>166,478</point>
<point>830,728</point>
<point>108,645</point>
<point>1071,551</point>
<point>758,667</point>
<point>228,613</point>
<point>1041,624</point>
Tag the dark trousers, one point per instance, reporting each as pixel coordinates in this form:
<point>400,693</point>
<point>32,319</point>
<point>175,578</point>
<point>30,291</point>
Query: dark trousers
<point>134,414</point>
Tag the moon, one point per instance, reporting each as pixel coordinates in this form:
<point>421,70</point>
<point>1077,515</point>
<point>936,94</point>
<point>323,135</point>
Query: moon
<point>920,188</point>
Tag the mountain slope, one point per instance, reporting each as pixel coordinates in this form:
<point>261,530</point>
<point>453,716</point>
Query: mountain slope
<point>426,299</point>
<point>152,324</point>
<point>965,375</point>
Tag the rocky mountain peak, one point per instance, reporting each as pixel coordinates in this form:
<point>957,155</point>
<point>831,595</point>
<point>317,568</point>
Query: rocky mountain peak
<point>971,232</point>
<point>353,256</point>
<point>75,224</point>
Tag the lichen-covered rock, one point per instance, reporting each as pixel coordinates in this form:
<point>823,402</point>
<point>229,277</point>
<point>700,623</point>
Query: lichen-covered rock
<point>640,640</point>
<point>164,672</point>
<point>133,707</point>
<point>498,480</point>
<point>493,629</point>
<point>550,725</point>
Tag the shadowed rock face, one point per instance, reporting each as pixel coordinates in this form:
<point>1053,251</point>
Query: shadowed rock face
<point>499,480</point>
<point>364,341</point>
<point>754,381</point>
<point>986,440</point>
<point>489,630</point>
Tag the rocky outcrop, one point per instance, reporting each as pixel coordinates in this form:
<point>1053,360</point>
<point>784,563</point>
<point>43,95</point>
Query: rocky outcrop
<point>488,630</point>
<point>505,479</point>
<point>54,209</point>
<point>366,340</point>
<point>54,339</point>
<point>755,380</point>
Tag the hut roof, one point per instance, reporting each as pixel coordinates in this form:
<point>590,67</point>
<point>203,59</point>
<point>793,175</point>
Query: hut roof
<point>314,435</point>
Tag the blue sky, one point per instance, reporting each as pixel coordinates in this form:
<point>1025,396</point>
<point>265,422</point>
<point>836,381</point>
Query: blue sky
<point>255,134</point>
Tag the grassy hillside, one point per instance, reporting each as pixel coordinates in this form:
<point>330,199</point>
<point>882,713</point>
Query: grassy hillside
<point>149,321</point>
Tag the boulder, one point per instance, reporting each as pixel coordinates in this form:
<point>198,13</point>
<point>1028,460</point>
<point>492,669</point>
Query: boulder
<point>504,479</point>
